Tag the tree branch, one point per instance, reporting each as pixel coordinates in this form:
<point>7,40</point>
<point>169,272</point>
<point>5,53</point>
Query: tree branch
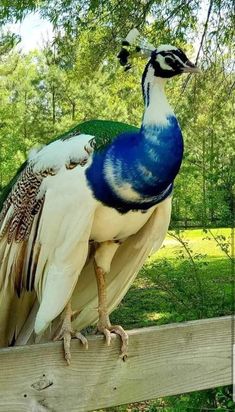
<point>205,30</point>
<point>201,43</point>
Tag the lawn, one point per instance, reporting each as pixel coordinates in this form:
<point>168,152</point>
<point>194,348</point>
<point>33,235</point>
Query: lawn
<point>178,284</point>
<point>189,278</point>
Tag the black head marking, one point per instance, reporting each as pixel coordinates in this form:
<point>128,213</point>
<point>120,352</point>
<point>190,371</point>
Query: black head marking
<point>123,56</point>
<point>153,55</point>
<point>125,43</point>
<point>175,59</point>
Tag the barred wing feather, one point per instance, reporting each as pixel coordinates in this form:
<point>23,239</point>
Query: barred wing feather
<point>42,230</point>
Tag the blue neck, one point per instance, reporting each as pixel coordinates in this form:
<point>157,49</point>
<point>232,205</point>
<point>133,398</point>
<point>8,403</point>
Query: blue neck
<point>137,170</point>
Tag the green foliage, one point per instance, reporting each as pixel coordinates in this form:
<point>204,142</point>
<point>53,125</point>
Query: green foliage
<point>7,42</point>
<point>180,284</point>
<point>16,10</point>
<point>7,189</point>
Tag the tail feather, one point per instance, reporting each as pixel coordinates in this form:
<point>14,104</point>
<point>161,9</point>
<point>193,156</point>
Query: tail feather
<point>14,313</point>
<point>127,261</point>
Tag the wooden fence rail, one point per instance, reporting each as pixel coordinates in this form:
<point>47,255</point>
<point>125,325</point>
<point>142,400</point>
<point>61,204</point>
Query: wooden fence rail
<point>164,360</point>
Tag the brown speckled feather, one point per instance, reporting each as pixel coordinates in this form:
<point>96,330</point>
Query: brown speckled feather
<point>20,222</point>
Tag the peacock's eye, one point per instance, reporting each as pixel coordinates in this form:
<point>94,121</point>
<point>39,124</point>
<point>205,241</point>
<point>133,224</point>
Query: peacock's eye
<point>169,60</point>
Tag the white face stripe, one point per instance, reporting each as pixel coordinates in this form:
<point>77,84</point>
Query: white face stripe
<point>162,62</point>
<point>161,59</point>
<point>179,59</point>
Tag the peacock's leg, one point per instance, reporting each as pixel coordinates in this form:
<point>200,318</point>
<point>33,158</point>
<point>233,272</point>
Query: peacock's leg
<point>104,325</point>
<point>66,333</point>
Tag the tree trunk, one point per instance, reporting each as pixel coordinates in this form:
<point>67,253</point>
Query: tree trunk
<point>53,105</point>
<point>73,110</point>
<point>203,180</point>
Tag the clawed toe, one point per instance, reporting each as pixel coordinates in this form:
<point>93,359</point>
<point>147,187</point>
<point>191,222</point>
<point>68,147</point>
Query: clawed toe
<point>66,335</point>
<point>82,339</point>
<point>118,330</point>
<point>124,338</point>
<point>107,335</point>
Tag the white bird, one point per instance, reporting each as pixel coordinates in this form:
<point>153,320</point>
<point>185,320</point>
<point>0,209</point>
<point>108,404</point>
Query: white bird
<point>82,215</point>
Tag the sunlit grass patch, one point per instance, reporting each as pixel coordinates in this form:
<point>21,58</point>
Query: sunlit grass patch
<point>173,286</point>
<point>199,241</point>
<point>152,316</point>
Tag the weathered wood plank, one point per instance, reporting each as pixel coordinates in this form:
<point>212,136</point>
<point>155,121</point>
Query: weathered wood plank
<point>164,360</point>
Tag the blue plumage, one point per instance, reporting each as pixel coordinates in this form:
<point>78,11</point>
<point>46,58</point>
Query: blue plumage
<point>145,162</point>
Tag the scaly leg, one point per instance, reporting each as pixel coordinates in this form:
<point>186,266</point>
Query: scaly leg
<point>104,326</point>
<point>66,333</point>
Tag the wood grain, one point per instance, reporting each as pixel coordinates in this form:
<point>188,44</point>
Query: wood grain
<point>165,360</point>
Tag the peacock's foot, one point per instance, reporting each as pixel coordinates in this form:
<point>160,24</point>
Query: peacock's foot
<point>66,333</point>
<point>107,329</point>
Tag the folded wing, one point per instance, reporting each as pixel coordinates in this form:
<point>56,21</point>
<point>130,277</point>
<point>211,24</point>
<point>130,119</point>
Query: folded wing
<point>44,231</point>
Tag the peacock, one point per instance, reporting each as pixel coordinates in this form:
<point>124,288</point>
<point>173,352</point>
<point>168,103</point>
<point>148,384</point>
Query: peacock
<point>82,214</point>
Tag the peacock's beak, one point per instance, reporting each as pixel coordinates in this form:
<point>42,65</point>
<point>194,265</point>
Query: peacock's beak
<point>190,68</point>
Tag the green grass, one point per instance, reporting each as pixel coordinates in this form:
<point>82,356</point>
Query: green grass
<point>173,288</point>
<point>198,240</point>
<point>177,285</point>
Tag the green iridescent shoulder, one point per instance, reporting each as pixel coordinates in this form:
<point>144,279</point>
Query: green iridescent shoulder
<point>104,131</point>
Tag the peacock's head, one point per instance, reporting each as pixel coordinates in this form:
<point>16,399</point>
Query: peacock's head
<point>165,61</point>
<point>168,61</point>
